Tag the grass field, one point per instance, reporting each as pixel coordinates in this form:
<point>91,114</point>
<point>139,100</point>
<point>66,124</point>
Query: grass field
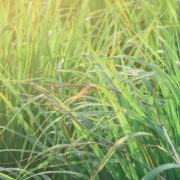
<point>89,89</point>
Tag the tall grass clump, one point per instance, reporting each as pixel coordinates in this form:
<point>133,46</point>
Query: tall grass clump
<point>89,89</point>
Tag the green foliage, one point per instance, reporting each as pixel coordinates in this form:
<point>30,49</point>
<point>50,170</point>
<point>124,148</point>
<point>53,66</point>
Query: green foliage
<point>89,89</point>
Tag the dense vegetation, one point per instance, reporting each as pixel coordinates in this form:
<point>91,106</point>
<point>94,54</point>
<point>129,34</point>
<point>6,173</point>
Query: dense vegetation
<point>89,89</point>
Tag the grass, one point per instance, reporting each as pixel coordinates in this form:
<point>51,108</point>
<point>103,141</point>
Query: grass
<point>89,89</point>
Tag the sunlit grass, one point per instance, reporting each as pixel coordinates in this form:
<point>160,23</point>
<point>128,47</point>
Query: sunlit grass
<point>89,89</point>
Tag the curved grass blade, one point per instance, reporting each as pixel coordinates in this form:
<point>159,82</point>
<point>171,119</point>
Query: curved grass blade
<point>113,149</point>
<point>5,177</point>
<point>154,172</point>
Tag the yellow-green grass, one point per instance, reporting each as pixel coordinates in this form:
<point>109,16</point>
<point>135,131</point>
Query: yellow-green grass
<point>89,89</point>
